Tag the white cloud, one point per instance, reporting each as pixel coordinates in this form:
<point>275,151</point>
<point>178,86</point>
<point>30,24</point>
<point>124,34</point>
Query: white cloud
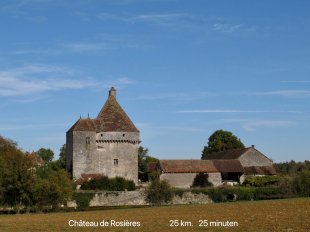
<point>236,111</point>
<point>285,93</point>
<point>300,81</point>
<point>14,127</point>
<point>157,18</point>
<point>79,47</point>
<point>253,125</point>
<point>231,28</point>
<point>176,96</point>
<point>86,47</point>
<point>33,79</point>
<point>119,83</point>
<point>26,51</point>
<point>37,19</point>
<point>227,28</point>
<point>165,18</point>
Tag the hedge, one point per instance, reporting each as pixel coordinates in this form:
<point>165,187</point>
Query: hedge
<point>109,184</point>
<point>223,194</point>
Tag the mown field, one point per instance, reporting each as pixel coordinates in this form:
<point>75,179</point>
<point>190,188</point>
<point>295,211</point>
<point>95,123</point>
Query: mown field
<point>273,215</point>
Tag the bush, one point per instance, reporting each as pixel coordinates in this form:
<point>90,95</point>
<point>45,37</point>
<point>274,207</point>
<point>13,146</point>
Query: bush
<point>158,192</point>
<point>262,181</point>
<point>109,184</point>
<point>82,200</point>
<point>201,180</point>
<point>301,184</point>
<point>179,191</point>
<point>224,194</point>
<point>54,190</point>
<point>265,193</point>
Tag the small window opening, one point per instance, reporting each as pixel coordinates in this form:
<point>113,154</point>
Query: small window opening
<point>123,135</point>
<point>87,140</point>
<point>115,162</point>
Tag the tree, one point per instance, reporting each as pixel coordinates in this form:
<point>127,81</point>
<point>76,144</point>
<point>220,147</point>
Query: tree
<point>16,176</point>
<point>142,154</point>
<point>62,156</point>
<point>301,184</point>
<point>46,154</point>
<point>53,190</point>
<point>201,180</point>
<point>158,192</point>
<point>221,140</point>
<point>143,161</point>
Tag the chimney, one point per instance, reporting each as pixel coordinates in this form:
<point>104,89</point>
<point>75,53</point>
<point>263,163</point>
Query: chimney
<point>112,92</point>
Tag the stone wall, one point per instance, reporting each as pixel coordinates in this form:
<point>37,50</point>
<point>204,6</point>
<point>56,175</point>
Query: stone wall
<point>120,198</point>
<point>191,198</point>
<point>215,178</point>
<point>179,180</point>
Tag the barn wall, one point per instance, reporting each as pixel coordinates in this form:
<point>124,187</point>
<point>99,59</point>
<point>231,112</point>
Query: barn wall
<point>254,158</point>
<point>185,180</point>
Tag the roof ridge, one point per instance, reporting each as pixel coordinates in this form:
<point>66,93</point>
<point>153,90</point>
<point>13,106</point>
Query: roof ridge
<point>112,112</point>
<point>111,118</point>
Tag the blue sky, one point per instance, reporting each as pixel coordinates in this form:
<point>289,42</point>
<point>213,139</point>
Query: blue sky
<point>183,69</point>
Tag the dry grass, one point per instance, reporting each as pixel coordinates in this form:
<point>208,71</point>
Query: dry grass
<point>273,215</point>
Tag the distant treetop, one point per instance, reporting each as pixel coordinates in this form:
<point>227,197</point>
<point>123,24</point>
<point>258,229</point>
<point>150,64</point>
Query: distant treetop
<point>221,140</point>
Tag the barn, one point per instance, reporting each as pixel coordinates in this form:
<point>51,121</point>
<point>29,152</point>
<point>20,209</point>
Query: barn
<point>228,167</point>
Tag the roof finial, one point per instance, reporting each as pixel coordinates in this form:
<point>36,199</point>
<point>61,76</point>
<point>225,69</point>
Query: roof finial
<point>112,92</point>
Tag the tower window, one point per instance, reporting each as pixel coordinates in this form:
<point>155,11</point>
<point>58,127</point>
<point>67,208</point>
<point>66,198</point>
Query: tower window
<point>87,140</point>
<point>115,162</point>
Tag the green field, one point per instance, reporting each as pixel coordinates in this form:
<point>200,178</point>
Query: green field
<point>273,215</point>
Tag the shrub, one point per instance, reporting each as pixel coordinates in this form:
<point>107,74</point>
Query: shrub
<point>244,193</point>
<point>301,184</point>
<point>158,192</point>
<point>178,192</point>
<point>264,193</point>
<point>261,181</point>
<point>109,184</point>
<point>82,200</point>
<point>201,180</point>
<point>54,190</point>
<point>224,194</point>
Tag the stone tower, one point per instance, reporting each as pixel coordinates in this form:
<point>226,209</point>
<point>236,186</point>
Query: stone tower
<point>105,145</point>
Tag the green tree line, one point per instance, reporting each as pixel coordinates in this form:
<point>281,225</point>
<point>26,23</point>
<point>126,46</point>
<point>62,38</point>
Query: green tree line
<point>28,185</point>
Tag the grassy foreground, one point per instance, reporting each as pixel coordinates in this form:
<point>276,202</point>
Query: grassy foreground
<point>273,215</point>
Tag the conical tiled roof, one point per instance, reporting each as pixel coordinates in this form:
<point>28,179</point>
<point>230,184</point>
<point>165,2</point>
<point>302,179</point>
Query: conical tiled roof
<point>111,118</point>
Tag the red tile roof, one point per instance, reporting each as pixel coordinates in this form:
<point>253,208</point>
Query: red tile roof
<point>36,160</point>
<point>233,165</point>
<point>87,177</point>
<point>152,167</point>
<point>229,154</point>
<point>186,166</point>
<point>260,170</point>
<point>111,118</point>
